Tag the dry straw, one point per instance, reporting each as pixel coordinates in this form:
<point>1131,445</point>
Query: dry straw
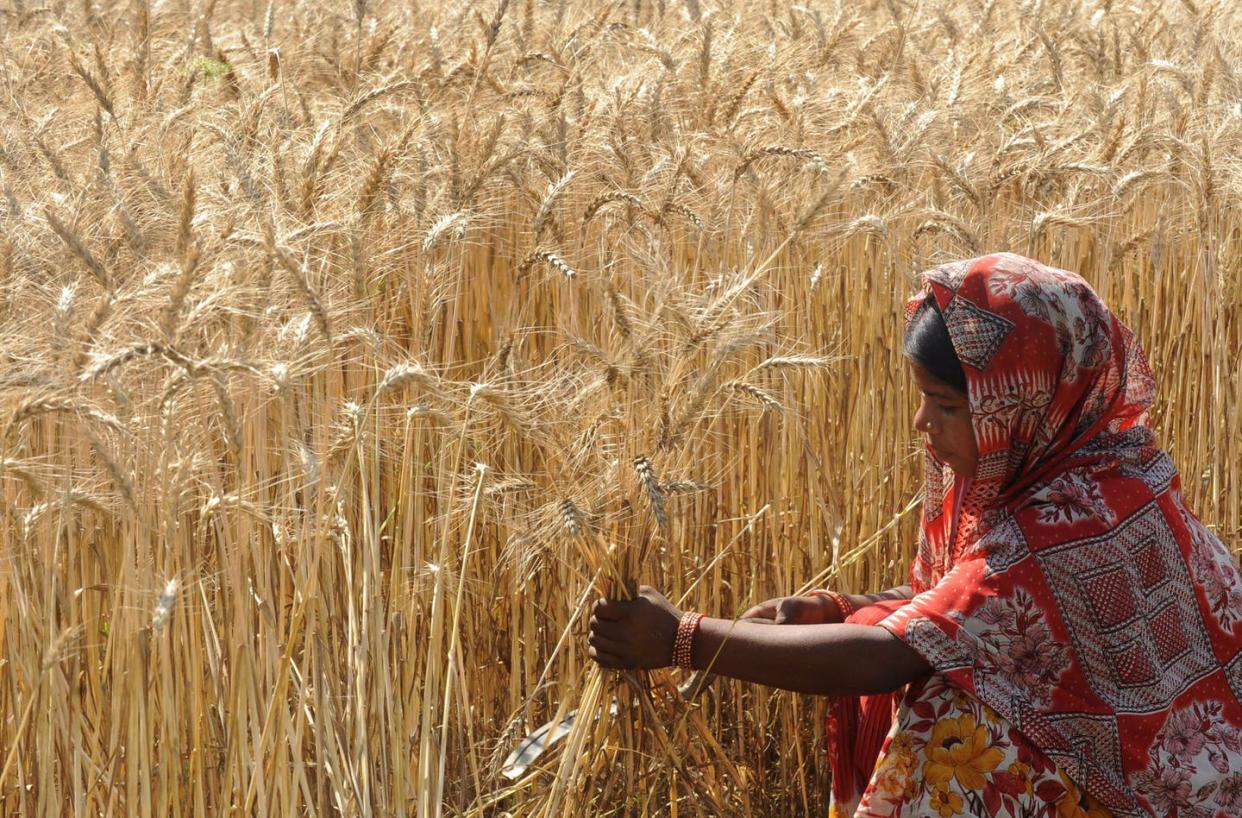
<point>270,287</point>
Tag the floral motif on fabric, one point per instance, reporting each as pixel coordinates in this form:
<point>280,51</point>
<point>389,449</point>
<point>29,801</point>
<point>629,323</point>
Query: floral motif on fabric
<point>1083,330</point>
<point>1192,751</point>
<point>949,755</point>
<point>1071,307</point>
<point>1013,277</point>
<point>1070,498</point>
<point>1229,793</point>
<point>1011,405</point>
<point>1139,383</point>
<point>1021,646</point>
<point>1216,574</point>
<point>1098,400</point>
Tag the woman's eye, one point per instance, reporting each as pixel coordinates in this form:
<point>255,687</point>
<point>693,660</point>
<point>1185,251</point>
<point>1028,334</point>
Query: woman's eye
<point>948,410</point>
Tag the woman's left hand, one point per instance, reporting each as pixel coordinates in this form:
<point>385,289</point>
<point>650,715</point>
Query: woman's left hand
<point>635,633</point>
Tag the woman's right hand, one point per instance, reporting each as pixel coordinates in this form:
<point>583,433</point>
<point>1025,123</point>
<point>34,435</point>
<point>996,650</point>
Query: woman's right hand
<point>797,610</point>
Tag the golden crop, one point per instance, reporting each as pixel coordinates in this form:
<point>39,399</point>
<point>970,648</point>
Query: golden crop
<point>350,351</point>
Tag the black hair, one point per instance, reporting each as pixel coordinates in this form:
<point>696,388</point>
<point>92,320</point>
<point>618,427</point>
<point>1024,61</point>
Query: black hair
<point>927,343</point>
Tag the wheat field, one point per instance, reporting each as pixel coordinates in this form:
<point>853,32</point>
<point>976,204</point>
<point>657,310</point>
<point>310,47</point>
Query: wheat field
<point>350,350</point>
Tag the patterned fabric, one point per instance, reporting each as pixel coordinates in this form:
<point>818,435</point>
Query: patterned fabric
<point>949,754</point>
<point>856,726</point>
<point>1075,594</point>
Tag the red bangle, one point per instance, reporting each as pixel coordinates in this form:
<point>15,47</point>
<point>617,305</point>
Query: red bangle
<point>683,643</point>
<point>843,603</point>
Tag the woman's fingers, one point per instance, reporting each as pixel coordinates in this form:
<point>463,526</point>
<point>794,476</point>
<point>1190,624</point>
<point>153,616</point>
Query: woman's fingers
<point>605,646</point>
<point>798,610</point>
<point>764,610</point>
<point>787,612</point>
<point>607,643</point>
<point>611,610</point>
<point>611,628</point>
<point>606,659</point>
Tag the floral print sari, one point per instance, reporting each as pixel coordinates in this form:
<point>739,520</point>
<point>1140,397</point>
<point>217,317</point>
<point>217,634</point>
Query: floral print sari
<point>949,754</point>
<point>1082,624</point>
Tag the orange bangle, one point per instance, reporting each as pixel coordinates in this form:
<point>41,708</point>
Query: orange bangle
<point>843,603</point>
<point>683,643</point>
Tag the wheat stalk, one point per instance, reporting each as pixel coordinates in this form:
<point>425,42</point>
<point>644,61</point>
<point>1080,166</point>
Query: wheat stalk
<point>551,259</point>
<point>74,243</point>
<point>733,191</point>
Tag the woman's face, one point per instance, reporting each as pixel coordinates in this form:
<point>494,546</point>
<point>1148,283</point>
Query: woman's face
<point>944,417</point>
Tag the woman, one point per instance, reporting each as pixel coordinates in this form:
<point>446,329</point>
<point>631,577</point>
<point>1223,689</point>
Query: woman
<point>1070,643</point>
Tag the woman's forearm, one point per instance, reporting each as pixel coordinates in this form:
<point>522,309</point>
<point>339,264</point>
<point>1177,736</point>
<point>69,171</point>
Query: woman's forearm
<point>820,659</point>
<point>863,600</point>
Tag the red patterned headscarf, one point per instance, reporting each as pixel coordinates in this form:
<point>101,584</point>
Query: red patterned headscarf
<point>1072,590</point>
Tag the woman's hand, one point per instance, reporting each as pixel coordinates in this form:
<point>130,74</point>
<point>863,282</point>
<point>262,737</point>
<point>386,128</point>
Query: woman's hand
<point>797,610</point>
<point>636,633</point>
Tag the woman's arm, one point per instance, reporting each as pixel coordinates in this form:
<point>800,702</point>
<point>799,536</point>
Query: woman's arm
<point>863,600</point>
<point>821,659</point>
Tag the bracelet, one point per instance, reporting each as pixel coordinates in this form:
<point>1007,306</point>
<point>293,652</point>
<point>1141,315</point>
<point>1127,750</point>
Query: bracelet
<point>683,643</point>
<point>843,603</point>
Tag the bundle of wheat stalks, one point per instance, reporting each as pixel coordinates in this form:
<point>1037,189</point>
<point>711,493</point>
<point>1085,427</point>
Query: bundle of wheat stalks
<point>350,351</point>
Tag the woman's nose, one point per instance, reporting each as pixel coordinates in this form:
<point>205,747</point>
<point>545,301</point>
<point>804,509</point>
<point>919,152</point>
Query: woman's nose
<point>922,419</point>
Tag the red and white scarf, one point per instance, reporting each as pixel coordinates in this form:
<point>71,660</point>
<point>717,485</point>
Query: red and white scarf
<point>1077,595</point>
